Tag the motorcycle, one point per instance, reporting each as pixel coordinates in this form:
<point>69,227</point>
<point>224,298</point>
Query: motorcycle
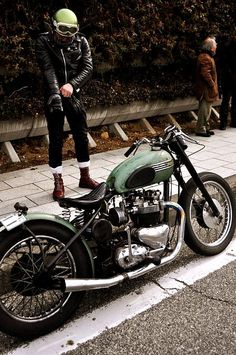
<point>130,225</point>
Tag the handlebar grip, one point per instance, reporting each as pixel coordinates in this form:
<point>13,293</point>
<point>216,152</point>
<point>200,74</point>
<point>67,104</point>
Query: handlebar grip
<point>182,142</point>
<point>130,150</point>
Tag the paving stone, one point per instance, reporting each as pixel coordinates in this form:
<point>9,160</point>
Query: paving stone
<point>230,157</point>
<point>27,178</point>
<point>201,156</point>
<point>224,171</point>
<point>3,186</point>
<point>110,168</point>
<point>51,208</point>
<point>7,207</point>
<point>99,163</point>
<point>208,165</point>
<point>41,198</point>
<point>115,159</point>
<point>33,186</point>
<point>17,192</point>
<point>49,183</point>
<point>99,172</point>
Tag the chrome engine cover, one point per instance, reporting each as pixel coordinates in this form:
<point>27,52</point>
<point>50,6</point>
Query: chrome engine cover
<point>154,237</point>
<point>123,259</point>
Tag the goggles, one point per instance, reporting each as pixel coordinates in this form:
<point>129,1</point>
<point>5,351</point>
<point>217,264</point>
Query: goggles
<point>65,29</point>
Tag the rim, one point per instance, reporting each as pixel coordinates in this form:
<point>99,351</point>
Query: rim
<point>19,296</point>
<point>216,231</point>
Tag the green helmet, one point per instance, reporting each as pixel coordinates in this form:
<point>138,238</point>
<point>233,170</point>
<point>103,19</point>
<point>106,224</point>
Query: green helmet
<point>65,22</point>
<point>66,16</point>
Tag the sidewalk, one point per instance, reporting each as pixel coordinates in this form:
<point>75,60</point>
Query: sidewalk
<point>33,186</point>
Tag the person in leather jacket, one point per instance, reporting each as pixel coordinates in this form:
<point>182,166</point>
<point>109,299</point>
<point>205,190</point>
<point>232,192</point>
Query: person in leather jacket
<point>227,80</point>
<point>64,57</point>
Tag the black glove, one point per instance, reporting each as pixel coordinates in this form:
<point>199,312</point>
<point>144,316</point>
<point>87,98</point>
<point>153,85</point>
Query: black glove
<point>54,103</point>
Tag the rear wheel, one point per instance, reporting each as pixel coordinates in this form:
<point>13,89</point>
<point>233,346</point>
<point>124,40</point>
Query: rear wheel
<point>205,233</point>
<point>29,308</point>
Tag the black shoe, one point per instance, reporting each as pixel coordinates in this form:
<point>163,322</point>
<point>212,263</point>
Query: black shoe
<point>222,128</point>
<point>203,134</point>
<point>210,132</point>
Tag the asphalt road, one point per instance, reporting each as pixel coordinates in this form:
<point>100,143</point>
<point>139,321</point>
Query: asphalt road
<point>199,319</point>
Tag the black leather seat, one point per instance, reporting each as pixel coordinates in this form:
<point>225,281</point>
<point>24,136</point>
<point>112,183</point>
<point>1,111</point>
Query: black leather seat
<point>92,200</point>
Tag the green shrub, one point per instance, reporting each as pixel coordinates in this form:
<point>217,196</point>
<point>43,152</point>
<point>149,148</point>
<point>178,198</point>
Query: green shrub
<point>142,49</point>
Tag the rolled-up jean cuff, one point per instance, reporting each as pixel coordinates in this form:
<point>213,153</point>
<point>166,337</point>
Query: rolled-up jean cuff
<point>57,170</point>
<point>84,164</point>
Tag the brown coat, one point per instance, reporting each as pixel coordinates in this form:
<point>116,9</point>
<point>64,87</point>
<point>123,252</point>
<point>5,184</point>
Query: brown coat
<point>206,78</point>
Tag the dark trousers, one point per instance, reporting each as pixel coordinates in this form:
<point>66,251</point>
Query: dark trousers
<point>228,92</point>
<point>77,120</point>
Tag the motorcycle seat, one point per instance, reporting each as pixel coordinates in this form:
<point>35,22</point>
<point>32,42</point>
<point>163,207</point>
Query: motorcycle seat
<point>89,201</point>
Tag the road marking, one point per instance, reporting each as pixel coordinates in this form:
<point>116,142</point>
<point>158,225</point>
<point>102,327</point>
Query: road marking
<point>93,324</point>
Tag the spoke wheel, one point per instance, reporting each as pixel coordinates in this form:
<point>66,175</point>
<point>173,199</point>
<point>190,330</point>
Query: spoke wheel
<point>205,233</point>
<point>28,302</point>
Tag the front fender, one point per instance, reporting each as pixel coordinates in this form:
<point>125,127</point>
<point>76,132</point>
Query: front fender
<point>37,216</point>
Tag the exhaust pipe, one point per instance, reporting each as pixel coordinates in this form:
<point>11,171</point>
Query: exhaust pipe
<point>73,285</point>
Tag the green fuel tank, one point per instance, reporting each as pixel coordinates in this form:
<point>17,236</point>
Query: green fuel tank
<point>143,169</point>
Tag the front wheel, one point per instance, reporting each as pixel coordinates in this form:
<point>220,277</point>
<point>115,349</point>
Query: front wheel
<point>205,233</point>
<point>28,308</point>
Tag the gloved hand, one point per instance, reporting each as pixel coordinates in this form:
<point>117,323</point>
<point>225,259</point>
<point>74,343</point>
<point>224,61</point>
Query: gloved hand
<point>55,103</point>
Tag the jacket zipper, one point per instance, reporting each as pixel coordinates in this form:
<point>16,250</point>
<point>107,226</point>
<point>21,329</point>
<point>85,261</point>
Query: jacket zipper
<point>64,61</point>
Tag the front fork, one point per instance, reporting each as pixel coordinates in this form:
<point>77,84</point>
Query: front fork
<point>197,181</point>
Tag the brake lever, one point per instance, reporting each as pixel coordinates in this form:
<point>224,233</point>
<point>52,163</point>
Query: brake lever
<point>190,139</point>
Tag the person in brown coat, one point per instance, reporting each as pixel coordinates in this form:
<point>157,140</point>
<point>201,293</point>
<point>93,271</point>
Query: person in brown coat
<point>206,86</point>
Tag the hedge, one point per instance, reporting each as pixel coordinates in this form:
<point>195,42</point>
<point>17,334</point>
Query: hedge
<point>142,50</point>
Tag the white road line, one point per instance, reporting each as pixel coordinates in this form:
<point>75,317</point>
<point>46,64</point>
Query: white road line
<point>126,307</point>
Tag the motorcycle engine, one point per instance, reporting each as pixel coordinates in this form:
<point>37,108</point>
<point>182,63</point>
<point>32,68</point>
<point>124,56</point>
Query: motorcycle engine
<point>145,210</point>
<point>127,261</point>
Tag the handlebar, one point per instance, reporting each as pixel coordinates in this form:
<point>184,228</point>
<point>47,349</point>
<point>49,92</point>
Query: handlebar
<point>170,133</point>
<point>136,145</point>
<point>130,150</point>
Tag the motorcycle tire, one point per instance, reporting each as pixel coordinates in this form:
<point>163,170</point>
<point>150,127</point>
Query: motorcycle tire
<point>204,233</point>
<point>26,309</point>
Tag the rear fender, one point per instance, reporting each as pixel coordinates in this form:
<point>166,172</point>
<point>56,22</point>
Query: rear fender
<point>31,218</point>
<point>51,218</point>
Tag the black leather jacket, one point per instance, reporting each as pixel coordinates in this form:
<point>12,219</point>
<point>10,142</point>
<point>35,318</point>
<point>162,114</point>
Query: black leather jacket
<point>227,63</point>
<point>61,65</point>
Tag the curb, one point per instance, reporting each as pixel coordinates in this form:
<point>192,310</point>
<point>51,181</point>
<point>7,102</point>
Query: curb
<point>232,182</point>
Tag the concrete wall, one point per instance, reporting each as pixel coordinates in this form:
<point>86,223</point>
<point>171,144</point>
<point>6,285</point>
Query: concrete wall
<point>36,126</point>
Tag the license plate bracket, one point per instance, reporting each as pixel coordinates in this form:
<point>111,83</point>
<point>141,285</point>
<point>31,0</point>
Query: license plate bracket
<point>12,221</point>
